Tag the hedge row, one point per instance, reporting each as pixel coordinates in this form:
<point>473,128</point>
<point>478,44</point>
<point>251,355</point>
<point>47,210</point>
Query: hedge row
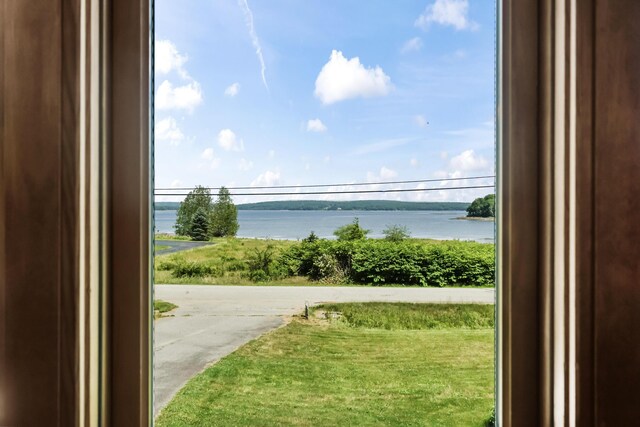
<point>379,262</point>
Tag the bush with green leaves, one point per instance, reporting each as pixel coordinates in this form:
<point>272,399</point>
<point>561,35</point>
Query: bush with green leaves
<point>311,238</point>
<point>381,262</point>
<point>396,233</point>
<point>351,231</point>
<point>262,265</point>
<point>329,270</point>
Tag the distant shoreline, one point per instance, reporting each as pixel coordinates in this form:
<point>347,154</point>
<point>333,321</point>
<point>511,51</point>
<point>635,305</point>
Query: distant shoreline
<point>322,205</point>
<point>477,218</point>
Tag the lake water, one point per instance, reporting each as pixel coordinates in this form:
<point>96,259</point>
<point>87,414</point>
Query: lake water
<point>296,225</point>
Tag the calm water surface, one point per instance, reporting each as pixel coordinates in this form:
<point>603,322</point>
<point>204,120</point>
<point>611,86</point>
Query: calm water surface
<point>298,224</point>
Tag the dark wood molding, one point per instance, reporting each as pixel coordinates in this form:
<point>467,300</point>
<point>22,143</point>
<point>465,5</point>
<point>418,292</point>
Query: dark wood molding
<point>129,214</point>
<point>54,161</point>
<point>616,201</point>
<point>569,179</point>
<point>38,188</point>
<point>518,217</point>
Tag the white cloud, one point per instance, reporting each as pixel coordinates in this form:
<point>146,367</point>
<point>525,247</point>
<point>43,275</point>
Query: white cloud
<point>176,183</point>
<point>167,59</point>
<point>420,120</point>
<point>245,165</point>
<point>232,90</point>
<point>384,175</point>
<point>414,162</point>
<point>460,54</point>
<point>411,45</point>
<point>343,78</point>
<point>209,155</point>
<point>384,145</point>
<point>268,178</point>
<point>316,125</point>
<point>465,164</point>
<point>248,17</point>
<point>468,161</point>
<point>167,130</point>
<point>185,97</point>
<point>452,13</point>
<point>228,140</point>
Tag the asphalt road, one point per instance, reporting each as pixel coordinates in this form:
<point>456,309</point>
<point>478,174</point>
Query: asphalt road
<point>178,245</point>
<point>213,321</point>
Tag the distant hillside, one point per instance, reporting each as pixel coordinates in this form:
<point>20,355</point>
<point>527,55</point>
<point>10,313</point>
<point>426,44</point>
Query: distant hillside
<point>167,206</point>
<point>358,205</point>
<point>321,205</point>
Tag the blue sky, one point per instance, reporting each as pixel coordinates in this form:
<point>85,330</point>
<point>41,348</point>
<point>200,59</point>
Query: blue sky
<point>284,92</point>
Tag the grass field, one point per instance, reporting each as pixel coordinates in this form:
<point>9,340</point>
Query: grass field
<point>226,263</point>
<point>226,255</point>
<point>160,307</point>
<point>372,364</point>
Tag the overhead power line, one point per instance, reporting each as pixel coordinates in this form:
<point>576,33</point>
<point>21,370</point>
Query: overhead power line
<point>312,193</point>
<point>415,181</point>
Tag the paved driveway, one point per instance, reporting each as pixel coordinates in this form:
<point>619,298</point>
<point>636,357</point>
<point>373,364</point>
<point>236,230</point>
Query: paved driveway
<point>212,321</point>
<point>178,245</point>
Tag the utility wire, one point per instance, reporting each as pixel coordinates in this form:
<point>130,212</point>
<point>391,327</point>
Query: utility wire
<point>330,185</point>
<point>392,190</point>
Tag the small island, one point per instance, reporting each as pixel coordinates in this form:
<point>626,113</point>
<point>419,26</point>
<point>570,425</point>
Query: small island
<point>482,209</point>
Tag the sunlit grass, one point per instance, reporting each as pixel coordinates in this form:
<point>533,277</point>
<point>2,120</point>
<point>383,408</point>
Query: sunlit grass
<point>320,372</point>
<point>160,307</point>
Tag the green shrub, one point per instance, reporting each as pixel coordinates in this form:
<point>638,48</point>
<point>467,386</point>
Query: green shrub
<point>328,269</point>
<point>491,421</point>
<point>396,233</point>
<point>351,231</point>
<point>165,265</point>
<point>382,262</point>
<point>262,266</point>
<point>311,238</point>
<point>230,263</point>
<point>183,268</point>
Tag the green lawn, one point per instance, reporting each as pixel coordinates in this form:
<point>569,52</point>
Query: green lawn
<point>348,371</point>
<point>160,307</point>
<point>167,236</point>
<point>161,247</point>
<point>228,256</point>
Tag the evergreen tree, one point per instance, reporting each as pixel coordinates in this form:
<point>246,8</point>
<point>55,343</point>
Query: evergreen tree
<point>199,198</point>
<point>223,219</point>
<point>199,226</point>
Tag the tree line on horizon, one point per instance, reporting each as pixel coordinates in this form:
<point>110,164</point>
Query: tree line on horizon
<point>328,205</point>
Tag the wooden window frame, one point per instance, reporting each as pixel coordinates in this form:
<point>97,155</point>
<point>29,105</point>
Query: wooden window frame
<point>75,144</point>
